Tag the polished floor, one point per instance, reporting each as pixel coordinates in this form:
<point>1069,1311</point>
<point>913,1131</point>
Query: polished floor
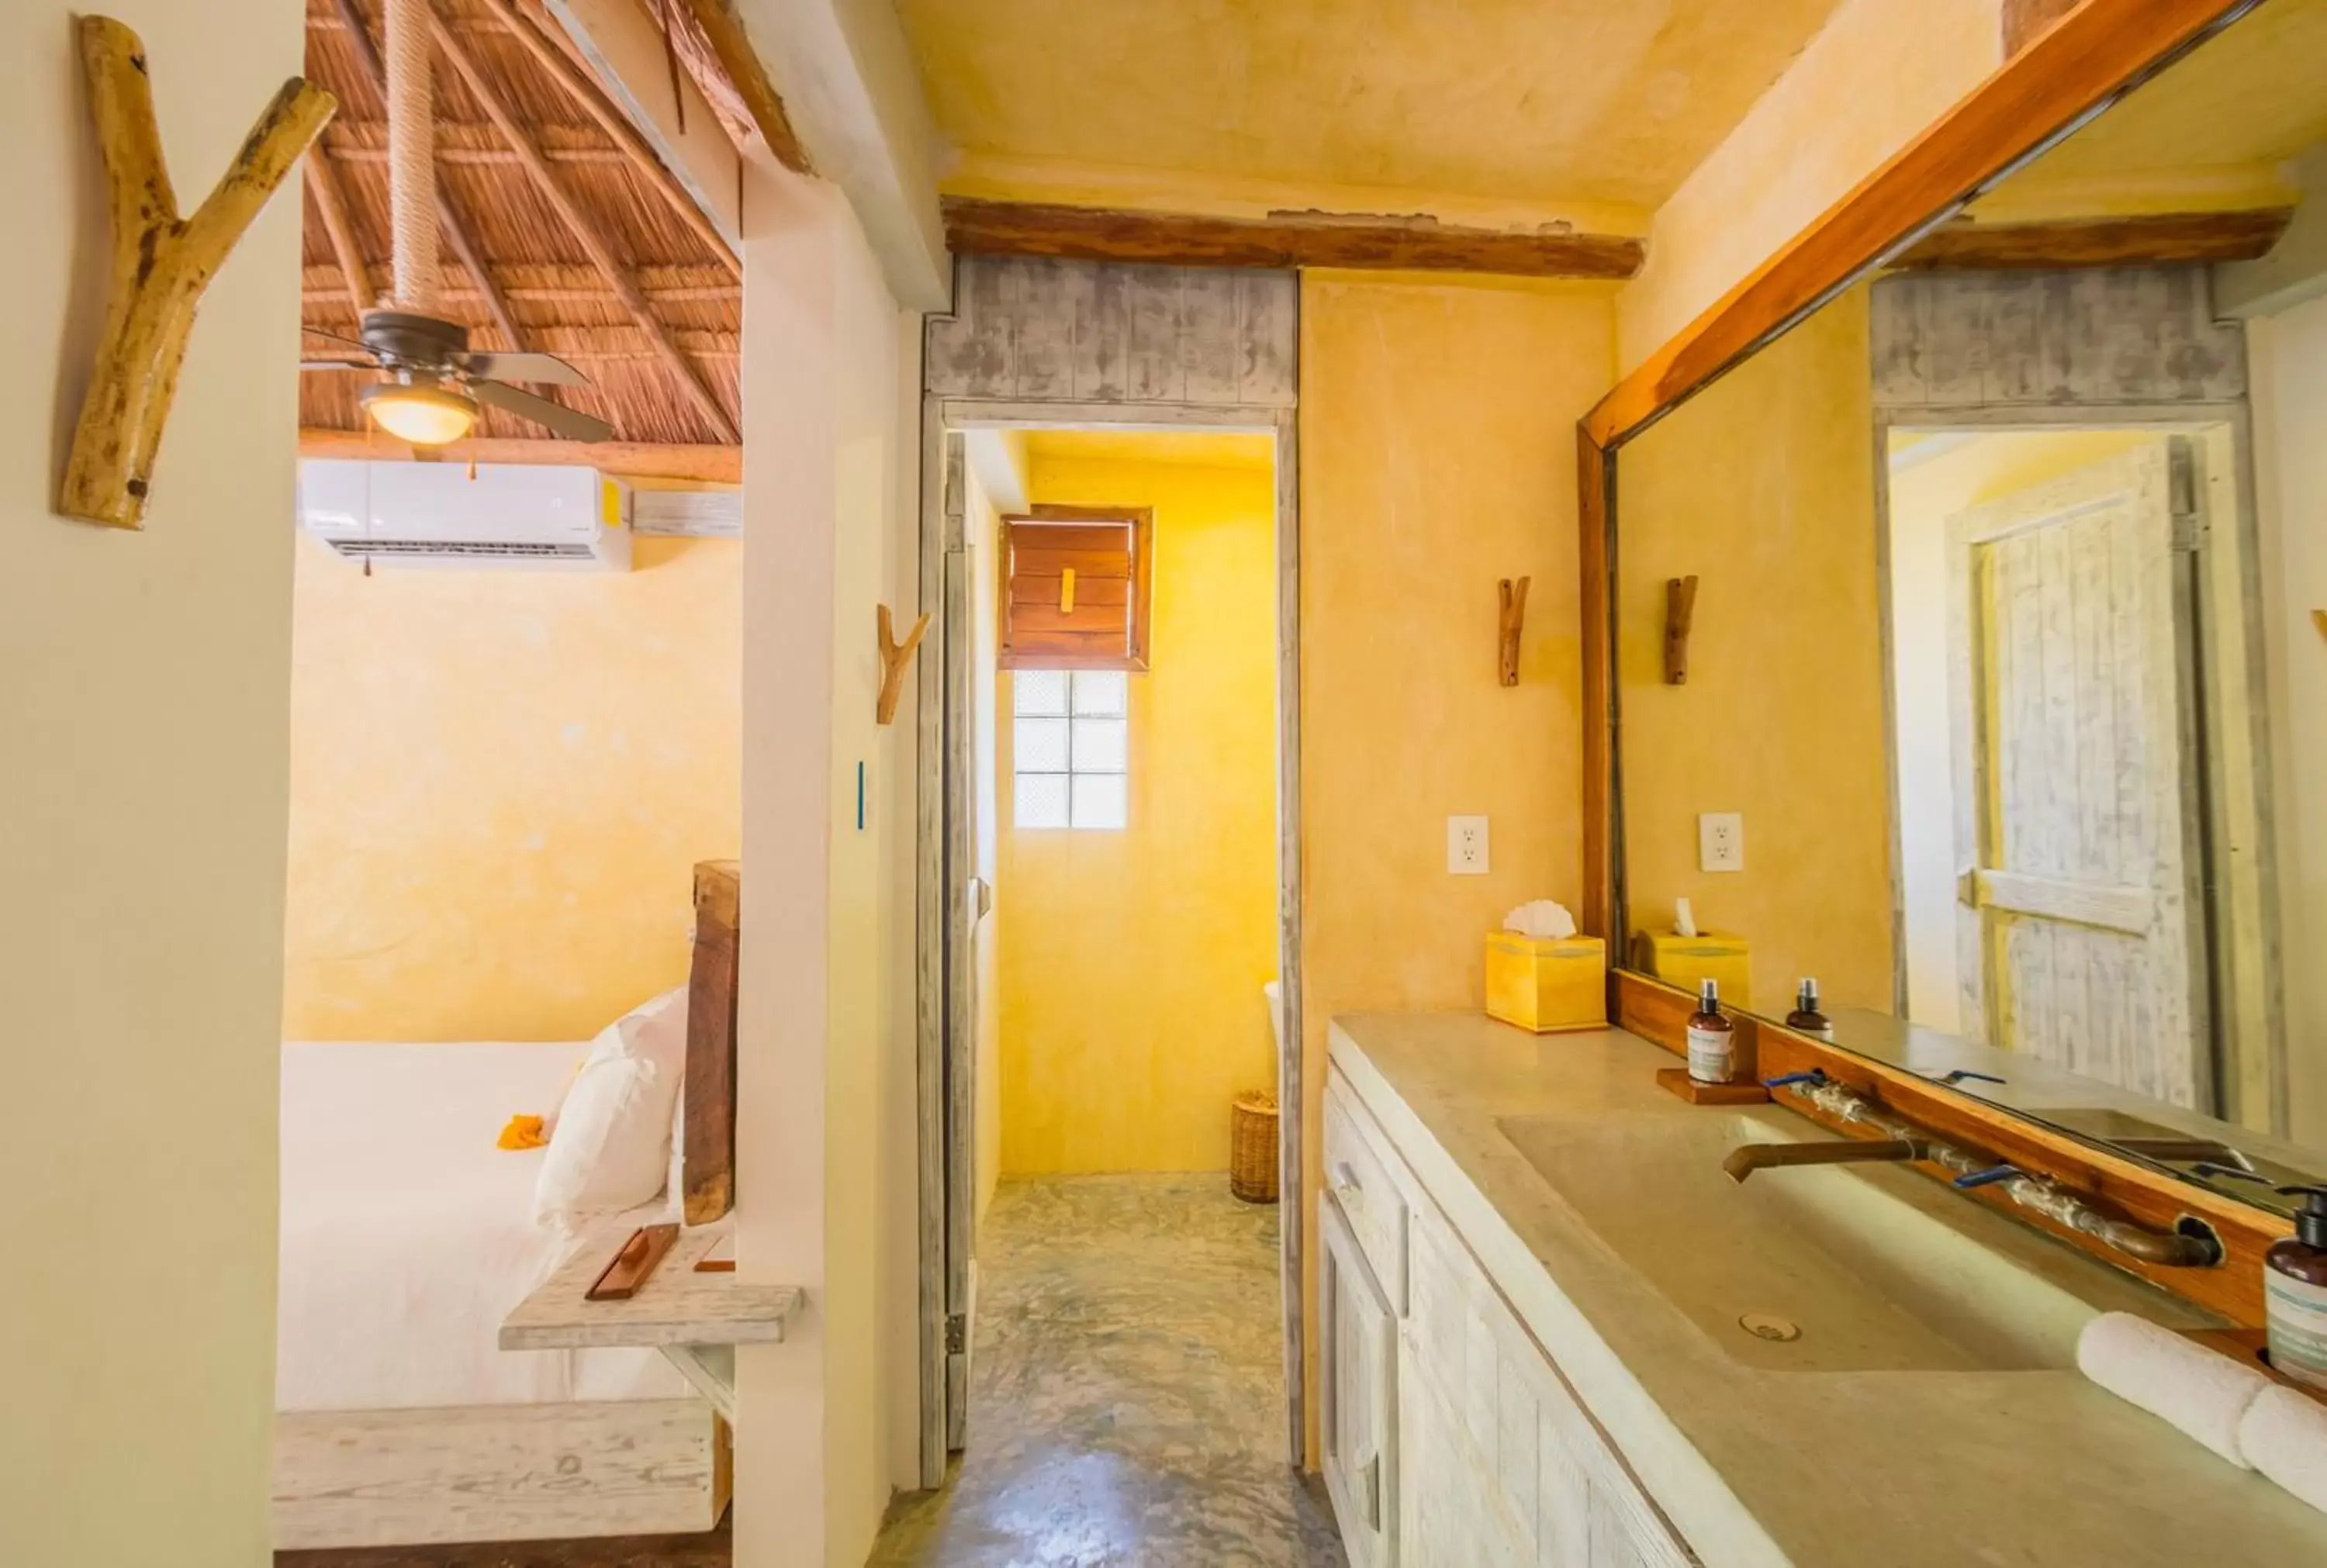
<point>1126,1402</point>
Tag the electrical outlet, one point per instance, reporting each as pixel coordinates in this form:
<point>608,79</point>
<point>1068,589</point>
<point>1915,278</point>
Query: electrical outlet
<point>1466,846</point>
<point>1720,841</point>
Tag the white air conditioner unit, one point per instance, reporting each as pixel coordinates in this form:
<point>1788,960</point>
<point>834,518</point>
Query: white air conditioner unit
<point>434,514</point>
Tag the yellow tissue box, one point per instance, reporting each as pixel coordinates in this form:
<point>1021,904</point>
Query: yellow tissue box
<point>1547,984</point>
<point>1721,957</point>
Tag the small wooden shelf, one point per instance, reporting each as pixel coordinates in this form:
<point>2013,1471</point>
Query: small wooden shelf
<point>1676,1081</point>
<point>676,1306</point>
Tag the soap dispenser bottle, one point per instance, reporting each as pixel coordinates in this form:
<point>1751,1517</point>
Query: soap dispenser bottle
<point>2293,1281</point>
<point>1712,1042</point>
<point>1806,1018</point>
<point>2295,1292</point>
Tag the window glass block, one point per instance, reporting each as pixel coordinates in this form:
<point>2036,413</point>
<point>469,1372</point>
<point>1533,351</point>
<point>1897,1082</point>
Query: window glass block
<point>1101,746</point>
<point>1040,800</point>
<point>1039,691</point>
<point>1039,745</point>
<point>1101,691</point>
<point>1098,801</point>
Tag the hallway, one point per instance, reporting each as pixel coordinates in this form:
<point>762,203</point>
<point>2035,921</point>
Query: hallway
<point>1128,1392</point>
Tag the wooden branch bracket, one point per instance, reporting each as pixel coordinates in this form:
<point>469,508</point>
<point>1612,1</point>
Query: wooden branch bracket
<point>896,659</point>
<point>1510,619</point>
<point>1681,612</point>
<point>161,264</point>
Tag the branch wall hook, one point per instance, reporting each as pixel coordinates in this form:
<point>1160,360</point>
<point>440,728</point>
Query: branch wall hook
<point>895,657</point>
<point>1680,609</point>
<point>1509,621</point>
<point>161,263</point>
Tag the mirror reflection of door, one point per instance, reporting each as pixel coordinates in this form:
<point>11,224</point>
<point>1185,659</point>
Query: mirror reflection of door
<point>2071,643</point>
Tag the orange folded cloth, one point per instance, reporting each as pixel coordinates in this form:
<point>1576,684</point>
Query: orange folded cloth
<point>522,1133</point>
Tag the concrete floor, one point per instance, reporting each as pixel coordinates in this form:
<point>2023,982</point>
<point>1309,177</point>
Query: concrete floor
<point>1126,1402</point>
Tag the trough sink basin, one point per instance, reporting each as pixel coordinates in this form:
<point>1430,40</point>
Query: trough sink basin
<point>1823,1268</point>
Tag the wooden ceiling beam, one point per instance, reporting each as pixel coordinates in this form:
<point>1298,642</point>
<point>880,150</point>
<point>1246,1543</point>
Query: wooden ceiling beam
<point>449,217</point>
<point>982,227</point>
<point>594,101</point>
<point>323,189</point>
<point>628,459</point>
<point>722,27</point>
<point>2155,239</point>
<point>585,230</point>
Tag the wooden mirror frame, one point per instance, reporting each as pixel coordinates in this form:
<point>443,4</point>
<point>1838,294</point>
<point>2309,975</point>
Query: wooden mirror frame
<point>2077,67</point>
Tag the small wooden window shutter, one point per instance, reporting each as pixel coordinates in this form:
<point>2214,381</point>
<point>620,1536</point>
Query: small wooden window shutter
<point>1077,588</point>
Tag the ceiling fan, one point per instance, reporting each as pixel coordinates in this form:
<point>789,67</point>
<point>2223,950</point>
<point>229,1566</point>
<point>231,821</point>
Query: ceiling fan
<point>436,382</point>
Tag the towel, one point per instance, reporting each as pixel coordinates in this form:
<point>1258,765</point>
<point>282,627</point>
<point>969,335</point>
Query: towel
<point>2198,1390</point>
<point>2284,1435</point>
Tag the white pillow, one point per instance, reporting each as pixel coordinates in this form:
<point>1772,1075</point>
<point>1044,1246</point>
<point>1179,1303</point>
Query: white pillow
<point>610,1150</point>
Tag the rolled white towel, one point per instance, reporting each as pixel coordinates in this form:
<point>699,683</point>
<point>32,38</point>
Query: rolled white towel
<point>2283,1435</point>
<point>2201,1390</point>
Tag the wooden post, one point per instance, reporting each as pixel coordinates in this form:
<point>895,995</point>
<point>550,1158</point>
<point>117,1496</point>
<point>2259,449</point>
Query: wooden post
<point>161,264</point>
<point>1510,620</point>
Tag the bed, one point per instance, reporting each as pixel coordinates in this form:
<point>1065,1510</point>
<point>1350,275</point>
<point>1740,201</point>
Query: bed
<point>407,1236</point>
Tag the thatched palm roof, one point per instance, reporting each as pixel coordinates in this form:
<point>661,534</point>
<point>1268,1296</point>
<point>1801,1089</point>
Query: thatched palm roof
<point>539,277</point>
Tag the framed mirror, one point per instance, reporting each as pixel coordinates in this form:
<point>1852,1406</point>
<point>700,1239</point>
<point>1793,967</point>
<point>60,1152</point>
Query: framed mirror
<point>1970,638</point>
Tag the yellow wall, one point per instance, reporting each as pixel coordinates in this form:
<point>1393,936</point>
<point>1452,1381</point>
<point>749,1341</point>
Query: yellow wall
<point>500,781</point>
<point>1870,82</point>
<point>1763,487</point>
<point>1131,963</point>
<point>144,718</point>
<point>1437,454</point>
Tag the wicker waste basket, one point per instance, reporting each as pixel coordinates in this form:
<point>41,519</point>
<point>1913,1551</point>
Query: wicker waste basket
<point>1252,1148</point>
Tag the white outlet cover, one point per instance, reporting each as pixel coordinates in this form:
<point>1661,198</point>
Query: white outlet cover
<point>1466,846</point>
<point>1720,841</point>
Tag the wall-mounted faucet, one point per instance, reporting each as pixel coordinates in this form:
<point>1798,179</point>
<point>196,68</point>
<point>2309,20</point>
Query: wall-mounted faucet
<point>1902,1140</point>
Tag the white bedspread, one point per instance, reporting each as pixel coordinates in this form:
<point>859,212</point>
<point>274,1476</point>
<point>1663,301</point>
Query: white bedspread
<point>407,1235</point>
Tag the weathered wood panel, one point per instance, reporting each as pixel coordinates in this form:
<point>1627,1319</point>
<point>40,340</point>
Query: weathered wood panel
<point>2149,239</point>
<point>1036,329</point>
<point>496,1472</point>
<point>707,1130</point>
<point>2094,335</point>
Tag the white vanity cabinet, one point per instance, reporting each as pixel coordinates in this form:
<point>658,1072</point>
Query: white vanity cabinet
<point>1488,1461</point>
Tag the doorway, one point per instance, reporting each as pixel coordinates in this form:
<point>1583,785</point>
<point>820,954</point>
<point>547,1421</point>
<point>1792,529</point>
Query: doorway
<point>1113,743</point>
<point>2078,800</point>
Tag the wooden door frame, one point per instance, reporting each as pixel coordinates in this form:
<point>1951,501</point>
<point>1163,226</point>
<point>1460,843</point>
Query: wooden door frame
<point>944,418</point>
<point>2065,76</point>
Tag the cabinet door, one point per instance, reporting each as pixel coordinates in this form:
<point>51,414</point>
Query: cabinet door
<point>1360,1397</point>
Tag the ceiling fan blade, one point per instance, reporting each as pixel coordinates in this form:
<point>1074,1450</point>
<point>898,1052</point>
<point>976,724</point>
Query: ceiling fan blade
<point>570,422</point>
<point>547,370</point>
<point>339,364</point>
<point>356,343</point>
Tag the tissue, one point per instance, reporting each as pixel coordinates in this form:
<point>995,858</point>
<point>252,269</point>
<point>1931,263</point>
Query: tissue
<point>1543,917</point>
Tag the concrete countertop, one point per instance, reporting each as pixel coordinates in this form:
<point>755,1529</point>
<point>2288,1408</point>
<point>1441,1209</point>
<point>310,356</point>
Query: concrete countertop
<point>1812,1469</point>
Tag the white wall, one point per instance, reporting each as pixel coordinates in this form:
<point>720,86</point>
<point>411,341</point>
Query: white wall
<point>145,709</point>
<point>2289,388</point>
<point>827,1164</point>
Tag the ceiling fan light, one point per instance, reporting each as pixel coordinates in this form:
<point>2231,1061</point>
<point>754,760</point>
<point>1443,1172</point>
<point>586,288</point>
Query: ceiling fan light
<point>423,416</point>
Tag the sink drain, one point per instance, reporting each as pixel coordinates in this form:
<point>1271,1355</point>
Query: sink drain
<point>1764,1326</point>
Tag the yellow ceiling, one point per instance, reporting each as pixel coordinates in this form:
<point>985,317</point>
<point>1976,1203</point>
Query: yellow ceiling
<point>2214,131</point>
<point>1206,448</point>
<point>1548,100</point>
